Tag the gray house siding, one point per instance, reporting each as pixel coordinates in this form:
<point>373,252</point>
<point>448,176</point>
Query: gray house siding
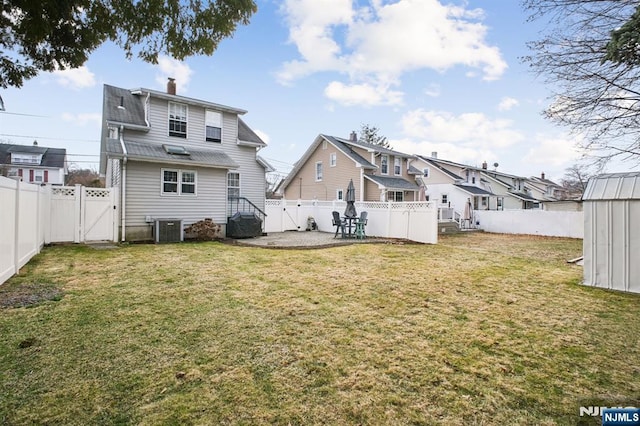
<point>143,198</point>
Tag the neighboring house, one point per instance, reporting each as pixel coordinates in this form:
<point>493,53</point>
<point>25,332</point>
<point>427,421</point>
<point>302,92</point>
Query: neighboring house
<point>545,189</point>
<point>462,189</point>
<point>325,169</point>
<point>177,157</point>
<point>33,163</point>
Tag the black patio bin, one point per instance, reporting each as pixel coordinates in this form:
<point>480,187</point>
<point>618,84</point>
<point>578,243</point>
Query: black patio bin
<point>244,225</point>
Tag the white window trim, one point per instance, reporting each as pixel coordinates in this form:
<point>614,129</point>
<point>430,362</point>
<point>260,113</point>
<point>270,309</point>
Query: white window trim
<point>442,196</point>
<point>179,192</point>
<point>339,194</point>
<point>205,125</point>
<point>397,167</point>
<point>333,159</point>
<point>425,172</point>
<point>319,179</point>
<point>239,184</point>
<point>186,133</point>
<point>382,172</point>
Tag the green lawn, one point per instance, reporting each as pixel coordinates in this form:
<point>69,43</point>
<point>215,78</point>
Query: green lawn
<point>479,329</point>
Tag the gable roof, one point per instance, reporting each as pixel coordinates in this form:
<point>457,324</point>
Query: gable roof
<point>474,190</point>
<point>393,183</point>
<point>156,153</point>
<point>339,143</point>
<point>190,101</point>
<point>123,107</point>
<point>439,167</point>
<point>246,136</point>
<point>523,196</point>
<point>54,158</point>
<point>374,148</point>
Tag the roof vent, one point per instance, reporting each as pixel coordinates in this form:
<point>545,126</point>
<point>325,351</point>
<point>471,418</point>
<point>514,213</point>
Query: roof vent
<point>353,137</point>
<point>542,175</point>
<point>175,150</point>
<point>434,154</point>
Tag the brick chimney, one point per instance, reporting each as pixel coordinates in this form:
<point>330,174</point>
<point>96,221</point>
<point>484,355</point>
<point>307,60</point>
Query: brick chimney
<point>484,165</point>
<point>542,175</point>
<point>353,137</point>
<point>171,86</point>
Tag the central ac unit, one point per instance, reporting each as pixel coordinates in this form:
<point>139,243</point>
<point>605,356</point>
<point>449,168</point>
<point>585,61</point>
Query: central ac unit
<point>168,231</point>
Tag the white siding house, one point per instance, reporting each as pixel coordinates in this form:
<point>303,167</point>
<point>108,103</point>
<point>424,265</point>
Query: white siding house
<point>178,157</point>
<point>34,164</point>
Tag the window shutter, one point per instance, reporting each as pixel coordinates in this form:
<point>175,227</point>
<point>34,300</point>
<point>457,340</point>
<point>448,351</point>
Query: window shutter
<point>46,176</point>
<point>30,175</point>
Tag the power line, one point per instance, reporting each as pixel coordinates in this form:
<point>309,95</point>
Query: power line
<point>26,115</point>
<point>45,137</point>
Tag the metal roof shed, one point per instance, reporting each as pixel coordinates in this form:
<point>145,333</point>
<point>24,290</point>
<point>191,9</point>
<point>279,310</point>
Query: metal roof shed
<point>611,242</point>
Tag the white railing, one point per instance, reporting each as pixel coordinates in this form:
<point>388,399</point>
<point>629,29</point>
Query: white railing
<point>416,221</point>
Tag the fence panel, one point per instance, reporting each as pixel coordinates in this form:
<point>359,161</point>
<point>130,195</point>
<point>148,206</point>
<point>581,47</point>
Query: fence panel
<point>65,214</point>
<point>533,222</point>
<point>416,221</point>
<point>8,195</point>
<point>98,214</point>
<point>21,230</point>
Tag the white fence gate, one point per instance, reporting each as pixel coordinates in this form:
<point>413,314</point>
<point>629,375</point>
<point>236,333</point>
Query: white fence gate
<point>416,221</point>
<point>80,214</point>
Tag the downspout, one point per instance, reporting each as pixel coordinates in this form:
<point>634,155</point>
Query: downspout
<point>123,182</point>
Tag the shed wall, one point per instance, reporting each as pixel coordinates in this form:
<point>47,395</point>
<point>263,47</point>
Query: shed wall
<point>612,244</point>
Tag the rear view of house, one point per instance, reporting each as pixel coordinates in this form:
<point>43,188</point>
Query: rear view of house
<point>178,158</point>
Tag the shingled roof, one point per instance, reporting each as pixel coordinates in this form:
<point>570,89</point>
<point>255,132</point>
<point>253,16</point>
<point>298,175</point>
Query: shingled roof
<point>54,158</point>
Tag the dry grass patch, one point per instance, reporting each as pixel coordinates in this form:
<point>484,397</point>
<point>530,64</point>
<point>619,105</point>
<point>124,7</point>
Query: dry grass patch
<point>479,329</point>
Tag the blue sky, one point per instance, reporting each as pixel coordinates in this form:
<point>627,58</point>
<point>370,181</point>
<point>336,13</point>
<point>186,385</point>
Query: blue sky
<point>431,75</point>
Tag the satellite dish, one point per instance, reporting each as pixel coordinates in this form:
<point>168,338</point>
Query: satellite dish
<point>496,165</point>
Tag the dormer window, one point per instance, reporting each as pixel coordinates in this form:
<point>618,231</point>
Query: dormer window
<point>25,158</point>
<point>213,125</point>
<point>177,120</point>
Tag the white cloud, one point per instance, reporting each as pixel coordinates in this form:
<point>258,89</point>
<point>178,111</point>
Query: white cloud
<point>432,90</point>
<point>554,150</point>
<point>383,41</point>
<point>262,135</point>
<point>362,94</point>
<point>469,130</point>
<point>76,78</point>
<point>507,103</point>
<point>83,119</point>
<point>169,67</point>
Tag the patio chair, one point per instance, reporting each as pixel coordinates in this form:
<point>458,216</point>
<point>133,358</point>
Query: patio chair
<point>360,224</point>
<point>338,223</point>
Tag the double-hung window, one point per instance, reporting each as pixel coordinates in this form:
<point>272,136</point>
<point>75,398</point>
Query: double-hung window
<point>178,182</point>
<point>213,126</point>
<point>397,166</point>
<point>384,164</point>
<point>333,159</point>
<point>233,185</point>
<point>319,171</point>
<point>177,120</point>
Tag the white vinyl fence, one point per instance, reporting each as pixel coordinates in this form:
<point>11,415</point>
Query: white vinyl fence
<point>21,219</point>
<point>532,222</point>
<point>416,221</point>
<point>33,215</point>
